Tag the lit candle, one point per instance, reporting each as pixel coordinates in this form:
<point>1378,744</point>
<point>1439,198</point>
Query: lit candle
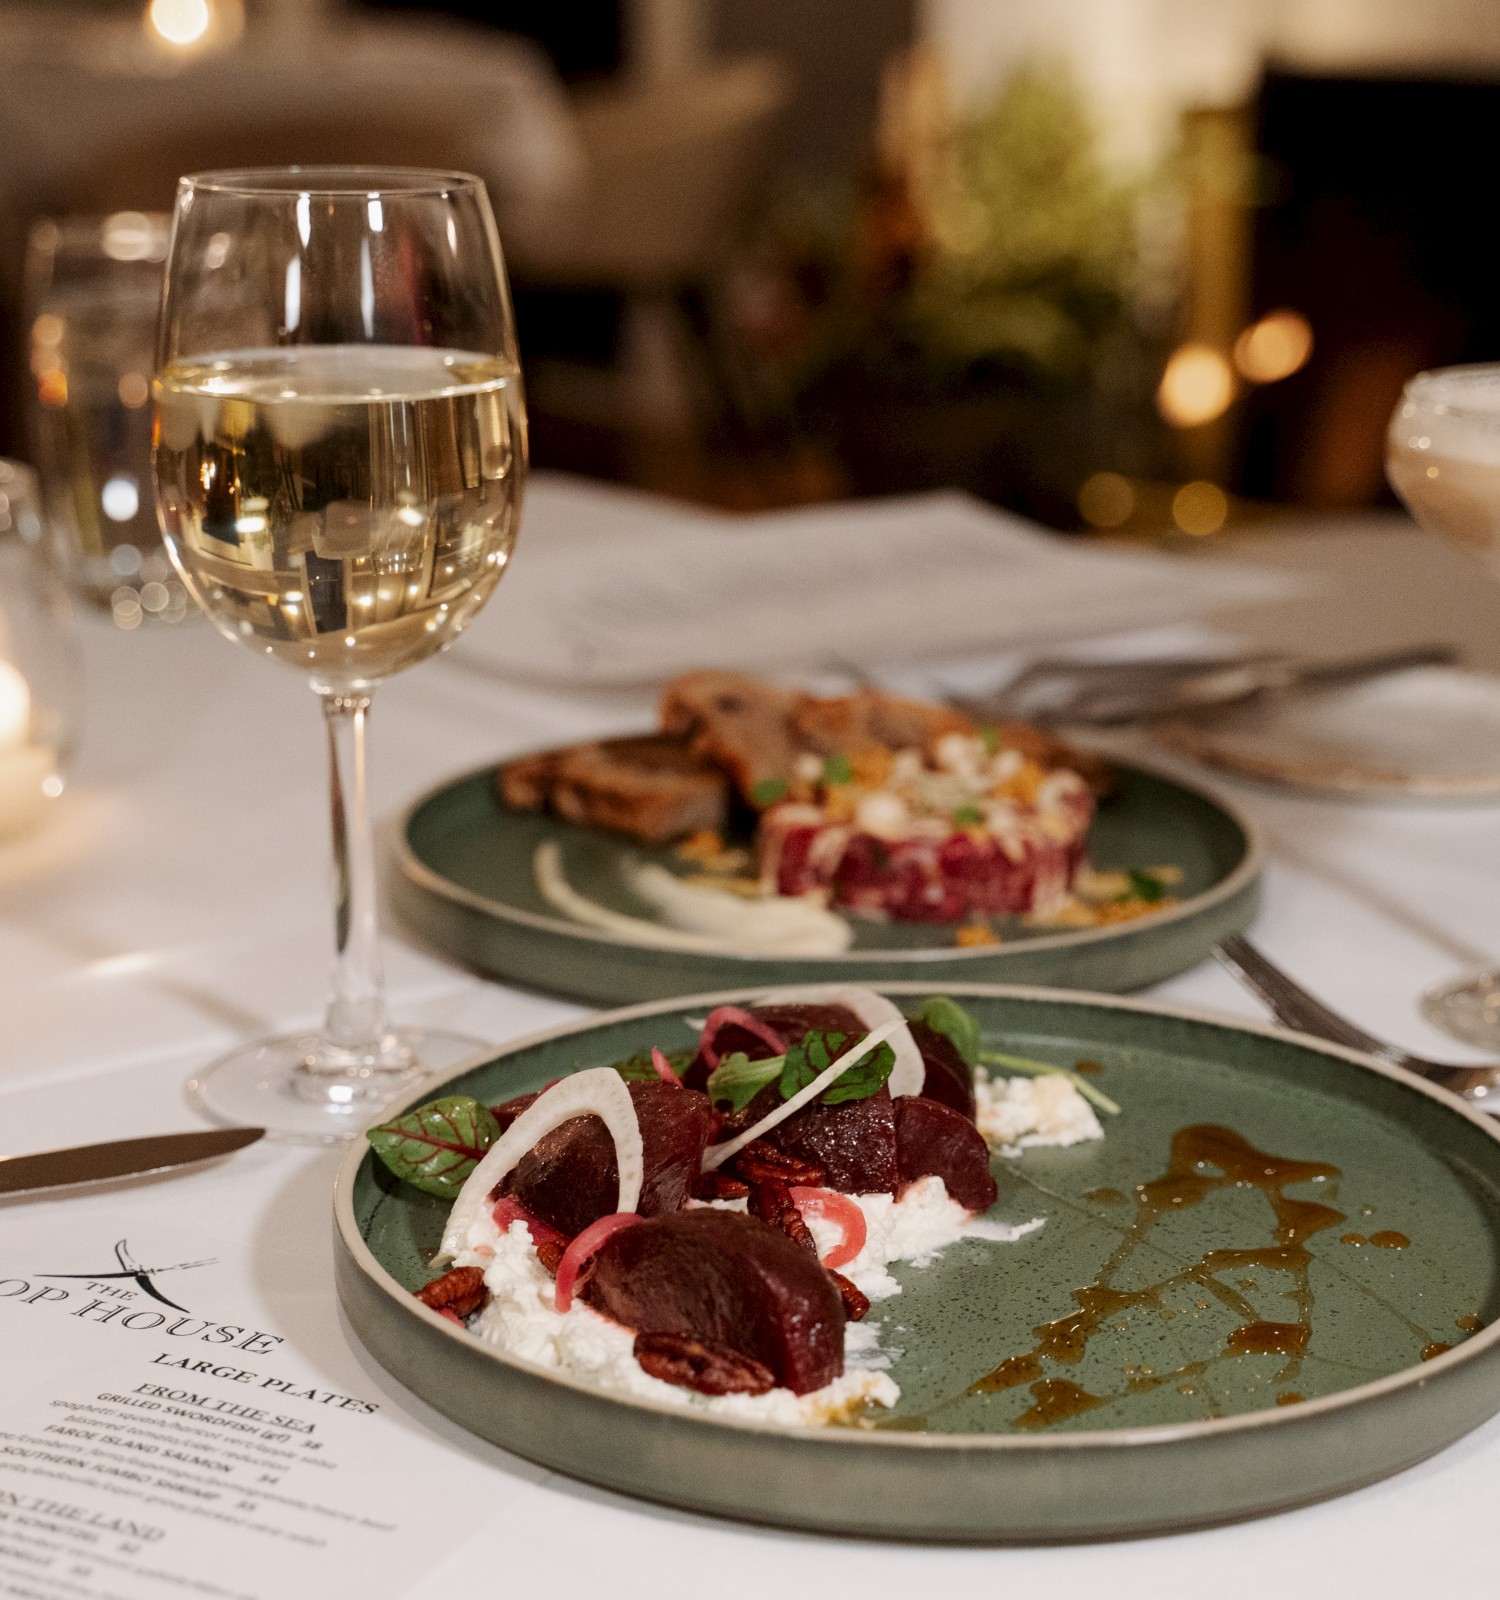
<point>27,770</point>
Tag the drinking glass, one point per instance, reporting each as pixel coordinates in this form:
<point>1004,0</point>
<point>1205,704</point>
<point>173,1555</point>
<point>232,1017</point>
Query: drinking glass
<point>340,453</point>
<point>38,662</point>
<point>1443,459</point>
<point>92,298</point>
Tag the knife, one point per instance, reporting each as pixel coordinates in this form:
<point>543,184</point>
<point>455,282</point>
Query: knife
<point>120,1158</point>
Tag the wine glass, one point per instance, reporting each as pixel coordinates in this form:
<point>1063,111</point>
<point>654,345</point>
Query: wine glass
<point>1443,459</point>
<point>340,448</point>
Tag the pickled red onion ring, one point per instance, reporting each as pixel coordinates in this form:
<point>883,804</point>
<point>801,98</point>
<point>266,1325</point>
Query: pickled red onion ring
<point>570,1270</point>
<point>664,1068</point>
<point>830,1206</point>
<point>722,1017</point>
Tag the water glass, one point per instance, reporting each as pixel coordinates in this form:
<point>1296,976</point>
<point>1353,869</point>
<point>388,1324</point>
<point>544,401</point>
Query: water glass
<point>93,293</point>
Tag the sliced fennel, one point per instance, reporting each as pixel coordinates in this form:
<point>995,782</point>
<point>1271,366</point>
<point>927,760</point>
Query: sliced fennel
<point>600,1091</point>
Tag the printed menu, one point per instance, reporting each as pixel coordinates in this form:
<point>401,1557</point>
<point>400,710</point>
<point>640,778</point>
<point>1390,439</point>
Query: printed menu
<point>182,1413</point>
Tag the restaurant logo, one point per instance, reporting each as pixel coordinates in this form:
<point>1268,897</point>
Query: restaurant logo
<point>139,1275</point>
<point>112,1298</point>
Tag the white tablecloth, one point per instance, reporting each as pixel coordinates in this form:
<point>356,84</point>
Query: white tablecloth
<point>178,904</point>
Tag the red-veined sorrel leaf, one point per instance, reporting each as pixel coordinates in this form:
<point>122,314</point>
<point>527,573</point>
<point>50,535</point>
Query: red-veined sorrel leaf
<point>437,1146</point>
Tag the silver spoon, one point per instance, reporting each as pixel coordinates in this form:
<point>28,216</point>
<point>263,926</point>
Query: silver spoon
<point>1294,1007</point>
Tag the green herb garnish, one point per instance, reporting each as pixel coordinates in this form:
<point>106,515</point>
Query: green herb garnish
<point>737,1079</point>
<point>638,1068</point>
<point>948,1018</point>
<point>836,769</point>
<point>437,1146</point>
<point>1144,886</point>
<point>968,817</point>
<point>1037,1069</point>
<point>991,738</point>
<point>768,791</point>
<point>817,1052</point>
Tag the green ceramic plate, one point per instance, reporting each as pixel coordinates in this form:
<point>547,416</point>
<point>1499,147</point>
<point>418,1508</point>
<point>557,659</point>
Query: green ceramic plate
<point>1249,1351</point>
<point>465,881</point>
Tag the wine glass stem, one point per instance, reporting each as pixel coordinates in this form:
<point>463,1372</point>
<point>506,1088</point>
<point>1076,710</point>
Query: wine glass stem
<point>355,1020</point>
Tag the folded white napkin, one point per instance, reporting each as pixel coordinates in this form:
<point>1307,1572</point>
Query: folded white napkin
<point>614,588</point>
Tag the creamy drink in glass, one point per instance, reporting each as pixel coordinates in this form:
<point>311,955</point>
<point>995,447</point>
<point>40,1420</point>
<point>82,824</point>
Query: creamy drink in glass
<point>1443,459</point>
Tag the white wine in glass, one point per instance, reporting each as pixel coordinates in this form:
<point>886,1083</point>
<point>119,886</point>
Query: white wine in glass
<point>340,448</point>
<point>1443,459</point>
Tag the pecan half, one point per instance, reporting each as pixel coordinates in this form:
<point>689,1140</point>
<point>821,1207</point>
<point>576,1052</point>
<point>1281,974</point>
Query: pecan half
<point>856,1303</point>
<point>718,1186</point>
<point>759,1161</point>
<point>695,1364</point>
<point>550,1253</point>
<point>460,1291</point>
<point>772,1202</point>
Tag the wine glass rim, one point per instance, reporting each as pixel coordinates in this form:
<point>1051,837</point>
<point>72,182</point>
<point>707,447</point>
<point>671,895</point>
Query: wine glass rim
<point>330,182</point>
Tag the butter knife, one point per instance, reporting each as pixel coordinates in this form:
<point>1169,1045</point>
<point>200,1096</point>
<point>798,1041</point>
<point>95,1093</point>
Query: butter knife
<point>120,1158</point>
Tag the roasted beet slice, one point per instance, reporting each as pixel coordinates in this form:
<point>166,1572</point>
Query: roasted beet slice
<point>508,1110</point>
<point>854,1142</point>
<point>570,1178</point>
<point>724,1279</point>
<point>950,1079</point>
<point>790,1021</point>
<point>934,1139</point>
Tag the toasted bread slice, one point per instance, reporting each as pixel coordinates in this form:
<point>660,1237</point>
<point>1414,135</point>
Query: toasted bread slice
<point>651,786</point>
<point>738,723</point>
<point>872,719</point>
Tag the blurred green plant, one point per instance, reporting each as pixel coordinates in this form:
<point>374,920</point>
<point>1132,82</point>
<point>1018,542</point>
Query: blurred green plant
<point>1033,242</point>
<point>974,314</point>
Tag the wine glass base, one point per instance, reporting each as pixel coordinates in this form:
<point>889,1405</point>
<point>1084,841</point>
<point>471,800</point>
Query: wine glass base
<point>269,1085</point>
<point>1467,1008</point>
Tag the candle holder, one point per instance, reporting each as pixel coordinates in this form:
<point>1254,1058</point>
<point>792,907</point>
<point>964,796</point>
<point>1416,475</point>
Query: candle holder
<point>38,661</point>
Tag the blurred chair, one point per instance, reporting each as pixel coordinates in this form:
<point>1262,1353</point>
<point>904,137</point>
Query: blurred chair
<point>92,120</point>
<point>671,168</point>
<point>673,172</point>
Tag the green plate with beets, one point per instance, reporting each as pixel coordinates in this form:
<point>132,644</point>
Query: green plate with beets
<point>1276,1278</point>
<point>466,882</point>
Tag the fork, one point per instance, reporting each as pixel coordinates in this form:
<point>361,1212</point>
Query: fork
<point>1294,1007</point>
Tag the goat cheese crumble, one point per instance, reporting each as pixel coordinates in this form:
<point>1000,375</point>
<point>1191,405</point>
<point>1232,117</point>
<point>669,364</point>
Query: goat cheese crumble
<point>522,1319</point>
<point>1016,1114</point>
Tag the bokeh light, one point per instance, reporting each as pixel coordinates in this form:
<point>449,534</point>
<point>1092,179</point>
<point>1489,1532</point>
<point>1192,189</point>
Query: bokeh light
<point>1106,500</point>
<point>1197,386</point>
<point>180,22</point>
<point>120,498</point>
<point>1200,508</point>
<point>1275,347</point>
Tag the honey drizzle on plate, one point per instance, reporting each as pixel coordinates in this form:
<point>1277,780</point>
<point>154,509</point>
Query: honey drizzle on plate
<point>1185,1183</point>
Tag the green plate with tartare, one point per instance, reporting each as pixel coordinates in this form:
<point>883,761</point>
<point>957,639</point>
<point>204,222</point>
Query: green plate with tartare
<point>1276,1278</point>
<point>466,881</point>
